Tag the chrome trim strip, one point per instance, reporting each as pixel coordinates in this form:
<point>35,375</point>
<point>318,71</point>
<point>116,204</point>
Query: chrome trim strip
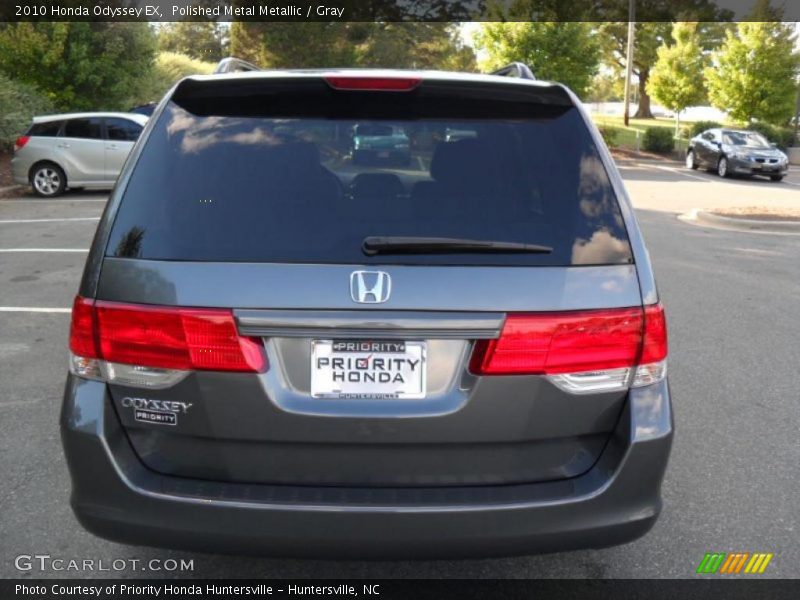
<point>360,324</point>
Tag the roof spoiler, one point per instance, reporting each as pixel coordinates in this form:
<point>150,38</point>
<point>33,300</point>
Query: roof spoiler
<point>515,69</point>
<point>234,65</point>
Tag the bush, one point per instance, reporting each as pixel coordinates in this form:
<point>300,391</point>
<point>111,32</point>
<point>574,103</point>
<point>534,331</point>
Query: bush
<point>699,127</point>
<point>658,139</point>
<point>168,69</point>
<point>783,137</point>
<point>19,102</point>
<point>609,135</point>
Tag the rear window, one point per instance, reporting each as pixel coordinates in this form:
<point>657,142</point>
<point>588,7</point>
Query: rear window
<point>304,183</point>
<point>49,129</point>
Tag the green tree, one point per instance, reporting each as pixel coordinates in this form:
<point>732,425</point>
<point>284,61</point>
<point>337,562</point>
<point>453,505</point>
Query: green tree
<point>202,40</point>
<point>79,66</point>
<point>676,80</point>
<point>297,45</point>
<point>414,45</point>
<point>19,102</point>
<point>383,44</point>
<point>652,30</point>
<point>605,87</point>
<point>567,52</point>
<point>167,70</point>
<point>754,74</point>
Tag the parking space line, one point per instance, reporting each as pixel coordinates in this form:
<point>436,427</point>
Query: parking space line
<point>34,309</point>
<point>44,250</point>
<point>10,221</point>
<point>677,172</point>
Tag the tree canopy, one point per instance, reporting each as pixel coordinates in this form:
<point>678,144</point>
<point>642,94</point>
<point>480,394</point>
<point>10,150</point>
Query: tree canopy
<point>754,73</point>
<point>566,52</point>
<point>202,40</point>
<point>676,79</point>
<point>385,44</point>
<point>79,66</point>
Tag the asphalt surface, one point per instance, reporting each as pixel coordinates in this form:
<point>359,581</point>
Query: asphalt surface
<point>734,321</point>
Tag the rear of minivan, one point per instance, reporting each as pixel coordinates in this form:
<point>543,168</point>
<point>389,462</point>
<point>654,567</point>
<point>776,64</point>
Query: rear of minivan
<point>277,349</point>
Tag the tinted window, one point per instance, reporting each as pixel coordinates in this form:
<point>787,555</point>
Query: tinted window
<point>751,139</point>
<point>84,128</point>
<point>123,130</point>
<point>49,129</point>
<point>221,187</point>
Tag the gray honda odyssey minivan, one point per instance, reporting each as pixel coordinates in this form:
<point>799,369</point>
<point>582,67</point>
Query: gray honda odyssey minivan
<point>278,350</point>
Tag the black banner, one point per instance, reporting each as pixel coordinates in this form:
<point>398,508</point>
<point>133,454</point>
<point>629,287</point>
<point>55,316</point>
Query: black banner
<point>407,589</point>
<point>397,10</point>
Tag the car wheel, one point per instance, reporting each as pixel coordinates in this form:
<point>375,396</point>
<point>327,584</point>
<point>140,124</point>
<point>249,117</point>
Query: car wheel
<point>722,167</point>
<point>691,163</point>
<point>48,180</point>
<point>776,177</point>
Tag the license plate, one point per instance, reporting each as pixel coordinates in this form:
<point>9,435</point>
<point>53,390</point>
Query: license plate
<point>367,369</point>
<point>383,154</point>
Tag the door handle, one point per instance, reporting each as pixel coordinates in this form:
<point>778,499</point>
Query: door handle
<point>62,145</point>
<point>111,147</point>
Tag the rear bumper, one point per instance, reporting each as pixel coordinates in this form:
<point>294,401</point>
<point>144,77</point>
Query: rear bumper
<point>19,169</point>
<point>116,497</point>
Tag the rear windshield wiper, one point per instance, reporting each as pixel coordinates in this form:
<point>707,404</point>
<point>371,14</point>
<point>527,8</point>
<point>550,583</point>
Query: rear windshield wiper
<point>429,245</point>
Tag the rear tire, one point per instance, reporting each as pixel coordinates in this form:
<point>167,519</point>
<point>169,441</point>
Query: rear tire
<point>48,180</point>
<point>691,162</point>
<point>722,167</point>
<point>776,177</point>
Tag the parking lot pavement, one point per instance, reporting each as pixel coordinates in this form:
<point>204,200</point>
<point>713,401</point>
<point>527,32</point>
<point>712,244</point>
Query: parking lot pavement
<point>690,189</point>
<point>734,322</point>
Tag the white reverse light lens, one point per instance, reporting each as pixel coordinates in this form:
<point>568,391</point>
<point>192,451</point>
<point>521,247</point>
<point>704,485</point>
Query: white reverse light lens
<point>610,380</point>
<point>649,374</point>
<point>132,375</point>
<point>88,368</point>
<point>146,377</point>
<point>607,380</point>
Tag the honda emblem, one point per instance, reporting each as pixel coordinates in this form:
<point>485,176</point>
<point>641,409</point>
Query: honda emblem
<point>370,287</point>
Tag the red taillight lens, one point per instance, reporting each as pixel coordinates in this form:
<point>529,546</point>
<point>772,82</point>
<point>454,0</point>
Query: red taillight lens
<point>165,337</point>
<point>654,344</point>
<point>565,342</point>
<point>21,141</point>
<point>373,84</point>
<point>82,332</point>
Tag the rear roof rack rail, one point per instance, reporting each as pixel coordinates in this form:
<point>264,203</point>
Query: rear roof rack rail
<point>234,65</point>
<point>515,69</point>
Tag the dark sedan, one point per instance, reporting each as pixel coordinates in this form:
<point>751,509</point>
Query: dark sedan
<point>736,152</point>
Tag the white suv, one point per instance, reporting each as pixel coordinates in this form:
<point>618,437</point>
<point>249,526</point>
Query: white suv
<point>78,150</point>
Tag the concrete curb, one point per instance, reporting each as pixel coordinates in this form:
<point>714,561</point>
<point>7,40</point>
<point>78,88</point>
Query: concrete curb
<point>710,219</point>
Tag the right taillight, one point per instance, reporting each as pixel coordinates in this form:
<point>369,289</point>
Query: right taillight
<point>21,141</point>
<point>580,351</point>
<point>155,346</point>
<point>652,364</point>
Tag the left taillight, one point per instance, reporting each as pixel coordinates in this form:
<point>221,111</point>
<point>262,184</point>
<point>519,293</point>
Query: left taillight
<point>580,351</point>
<point>154,346</point>
<point>21,141</point>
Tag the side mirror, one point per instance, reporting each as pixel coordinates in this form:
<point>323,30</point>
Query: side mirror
<point>773,145</point>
